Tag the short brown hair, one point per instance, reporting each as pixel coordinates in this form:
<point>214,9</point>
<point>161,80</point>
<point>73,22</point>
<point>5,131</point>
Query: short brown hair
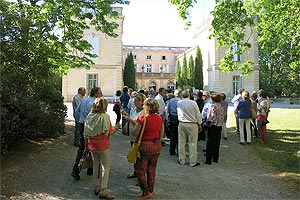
<point>99,105</point>
<point>140,97</point>
<point>152,104</point>
<point>216,97</point>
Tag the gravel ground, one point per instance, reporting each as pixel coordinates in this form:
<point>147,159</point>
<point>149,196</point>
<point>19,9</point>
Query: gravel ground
<point>41,170</point>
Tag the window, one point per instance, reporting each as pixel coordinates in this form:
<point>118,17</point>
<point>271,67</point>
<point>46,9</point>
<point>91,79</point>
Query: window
<point>148,68</point>
<point>92,81</point>
<point>134,57</point>
<point>94,41</point>
<point>149,57</point>
<point>152,85</point>
<point>163,58</point>
<point>171,85</point>
<point>236,57</point>
<point>236,84</point>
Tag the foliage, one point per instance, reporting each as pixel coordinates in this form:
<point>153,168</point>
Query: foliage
<point>198,74</point>
<point>40,41</point>
<point>277,24</point>
<point>184,71</point>
<point>129,71</point>
<point>178,75</point>
<point>191,71</point>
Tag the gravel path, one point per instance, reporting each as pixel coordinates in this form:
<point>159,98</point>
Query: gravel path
<point>41,170</point>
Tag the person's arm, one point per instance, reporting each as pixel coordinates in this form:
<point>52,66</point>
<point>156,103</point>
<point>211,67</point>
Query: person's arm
<point>117,126</point>
<point>162,130</point>
<point>136,129</point>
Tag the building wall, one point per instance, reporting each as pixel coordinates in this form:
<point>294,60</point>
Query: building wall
<point>162,71</point>
<point>214,78</point>
<point>107,66</point>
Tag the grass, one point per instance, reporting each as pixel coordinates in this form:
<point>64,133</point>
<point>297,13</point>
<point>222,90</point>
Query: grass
<point>284,143</point>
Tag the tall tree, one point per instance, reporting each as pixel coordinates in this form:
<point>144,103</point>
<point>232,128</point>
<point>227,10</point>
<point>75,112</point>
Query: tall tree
<point>40,41</point>
<point>191,72</point>
<point>129,71</point>
<point>198,74</point>
<point>184,71</point>
<point>178,75</point>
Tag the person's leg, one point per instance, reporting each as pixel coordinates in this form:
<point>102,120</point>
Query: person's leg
<point>77,135</point>
<point>248,130</point>
<point>192,143</point>
<point>140,169</point>
<point>241,124</point>
<point>209,145</point>
<point>118,113</point>
<point>224,131</point>
<point>181,143</point>
<point>96,168</point>
<point>216,143</point>
<point>75,173</point>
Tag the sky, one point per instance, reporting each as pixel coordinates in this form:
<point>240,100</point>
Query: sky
<point>157,23</point>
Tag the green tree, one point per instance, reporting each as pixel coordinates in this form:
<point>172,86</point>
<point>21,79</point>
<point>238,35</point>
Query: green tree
<point>178,75</point>
<point>191,72</point>
<point>184,71</point>
<point>198,74</point>
<point>277,23</point>
<point>40,41</point>
<point>129,71</point>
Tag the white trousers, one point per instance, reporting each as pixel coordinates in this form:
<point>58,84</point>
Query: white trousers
<point>187,134</point>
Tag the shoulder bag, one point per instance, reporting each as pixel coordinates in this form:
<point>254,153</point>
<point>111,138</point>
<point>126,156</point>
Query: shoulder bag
<point>134,151</point>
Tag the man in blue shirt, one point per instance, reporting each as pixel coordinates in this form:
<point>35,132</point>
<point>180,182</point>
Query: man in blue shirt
<point>173,120</point>
<point>81,113</point>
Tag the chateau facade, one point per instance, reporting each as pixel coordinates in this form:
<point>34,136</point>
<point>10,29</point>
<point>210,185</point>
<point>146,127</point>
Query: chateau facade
<point>107,70</point>
<point>215,79</point>
<point>155,65</point>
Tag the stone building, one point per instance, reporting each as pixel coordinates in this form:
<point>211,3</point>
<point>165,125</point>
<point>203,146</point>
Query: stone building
<point>155,65</point>
<point>214,78</point>
<point>107,70</point>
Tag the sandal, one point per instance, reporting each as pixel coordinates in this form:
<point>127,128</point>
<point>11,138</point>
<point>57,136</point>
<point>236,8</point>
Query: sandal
<point>131,176</point>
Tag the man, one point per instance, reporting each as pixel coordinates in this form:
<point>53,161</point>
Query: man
<point>189,118</point>
<point>161,102</point>
<point>206,101</point>
<point>81,113</point>
<point>76,100</point>
<point>235,101</point>
<point>173,120</point>
<point>124,99</point>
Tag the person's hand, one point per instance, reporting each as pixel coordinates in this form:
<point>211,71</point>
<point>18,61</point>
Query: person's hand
<point>117,126</point>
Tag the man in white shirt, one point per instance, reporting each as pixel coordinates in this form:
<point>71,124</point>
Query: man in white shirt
<point>190,119</point>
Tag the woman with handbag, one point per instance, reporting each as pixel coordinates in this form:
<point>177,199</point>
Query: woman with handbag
<point>97,131</point>
<point>150,147</point>
<point>136,112</point>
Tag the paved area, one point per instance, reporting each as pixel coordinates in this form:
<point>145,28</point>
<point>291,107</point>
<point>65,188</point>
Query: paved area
<point>42,170</point>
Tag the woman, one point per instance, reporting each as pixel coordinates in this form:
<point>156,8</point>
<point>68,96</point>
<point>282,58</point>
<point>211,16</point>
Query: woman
<point>150,147</point>
<point>254,106</point>
<point>224,105</point>
<point>135,113</point>
<point>245,117</point>
<point>97,131</point>
<point>117,105</point>
<point>262,108</point>
<point>215,117</point>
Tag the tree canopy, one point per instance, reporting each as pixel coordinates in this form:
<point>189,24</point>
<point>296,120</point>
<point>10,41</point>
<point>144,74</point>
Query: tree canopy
<point>40,41</point>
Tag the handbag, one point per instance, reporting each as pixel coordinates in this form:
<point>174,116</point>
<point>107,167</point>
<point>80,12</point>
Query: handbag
<point>134,151</point>
<point>86,160</point>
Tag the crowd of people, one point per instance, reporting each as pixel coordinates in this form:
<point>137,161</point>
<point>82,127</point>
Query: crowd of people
<point>184,117</point>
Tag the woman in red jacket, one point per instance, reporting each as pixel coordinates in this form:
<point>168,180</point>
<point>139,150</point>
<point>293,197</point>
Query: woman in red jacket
<point>150,147</point>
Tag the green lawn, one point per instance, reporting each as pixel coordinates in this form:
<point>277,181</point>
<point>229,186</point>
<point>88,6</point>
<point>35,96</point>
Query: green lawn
<point>284,142</point>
